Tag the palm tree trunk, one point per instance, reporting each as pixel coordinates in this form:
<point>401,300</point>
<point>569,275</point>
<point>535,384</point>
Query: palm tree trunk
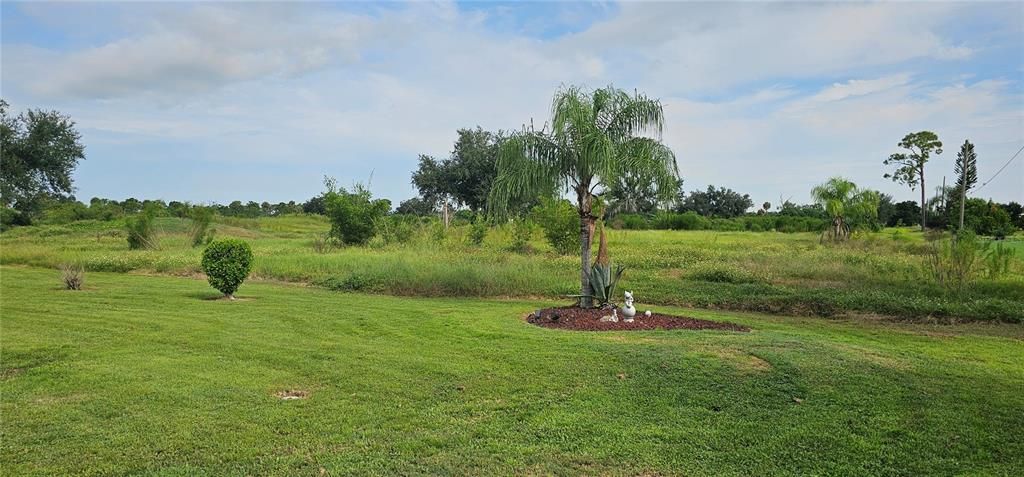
<point>584,204</point>
<point>585,234</point>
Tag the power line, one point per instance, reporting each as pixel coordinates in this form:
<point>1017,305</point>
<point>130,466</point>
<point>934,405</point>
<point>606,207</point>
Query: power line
<point>983,184</point>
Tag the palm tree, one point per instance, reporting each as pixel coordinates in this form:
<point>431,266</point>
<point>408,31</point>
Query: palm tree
<point>842,200</point>
<point>594,139</point>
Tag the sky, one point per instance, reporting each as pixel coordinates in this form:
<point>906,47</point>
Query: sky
<point>214,102</point>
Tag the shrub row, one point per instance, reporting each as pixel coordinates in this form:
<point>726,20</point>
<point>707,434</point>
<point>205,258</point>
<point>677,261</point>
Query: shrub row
<point>693,221</point>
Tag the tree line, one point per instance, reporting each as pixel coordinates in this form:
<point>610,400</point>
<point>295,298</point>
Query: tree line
<point>40,149</point>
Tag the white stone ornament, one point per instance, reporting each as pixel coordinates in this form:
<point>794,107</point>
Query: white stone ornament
<point>628,311</point>
<point>612,318</point>
<point>647,313</point>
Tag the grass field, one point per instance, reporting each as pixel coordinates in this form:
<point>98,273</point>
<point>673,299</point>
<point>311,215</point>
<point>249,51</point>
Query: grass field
<point>147,375</point>
<point>881,273</point>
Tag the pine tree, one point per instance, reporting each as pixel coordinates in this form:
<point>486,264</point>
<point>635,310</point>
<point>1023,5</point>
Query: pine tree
<point>966,174</point>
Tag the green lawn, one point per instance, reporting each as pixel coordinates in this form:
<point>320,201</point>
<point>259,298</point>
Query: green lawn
<point>146,375</point>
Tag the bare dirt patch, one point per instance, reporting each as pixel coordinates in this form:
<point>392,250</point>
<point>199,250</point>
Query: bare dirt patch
<point>581,319</point>
<point>290,394</point>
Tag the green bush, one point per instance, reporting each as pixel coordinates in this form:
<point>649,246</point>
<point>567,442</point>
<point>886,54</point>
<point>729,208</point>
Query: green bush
<point>684,221</point>
<point>522,232</point>
<point>397,229</point>
<point>227,263</point>
<point>561,224</point>
<point>354,215</point>
<point>478,232</point>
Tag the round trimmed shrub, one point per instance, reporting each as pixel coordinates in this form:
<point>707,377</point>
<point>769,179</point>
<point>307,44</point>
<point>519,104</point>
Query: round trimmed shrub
<point>227,263</point>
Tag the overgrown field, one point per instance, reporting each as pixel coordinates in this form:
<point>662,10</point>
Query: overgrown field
<point>881,273</point>
<point>147,376</point>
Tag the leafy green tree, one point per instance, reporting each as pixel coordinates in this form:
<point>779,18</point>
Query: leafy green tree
<point>634,192</point>
<point>1016,213</point>
<point>886,209</point>
<point>910,165</point>
<point>987,218</point>
<point>415,206</point>
<point>434,180</point>
<point>466,176</point>
<point>595,138</point>
<point>966,169</point>
<point>38,152</point>
<point>723,203</point>
<point>846,205</point>
<point>904,213</point>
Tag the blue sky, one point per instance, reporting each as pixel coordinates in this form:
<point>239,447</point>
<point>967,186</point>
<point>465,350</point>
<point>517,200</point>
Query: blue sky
<point>257,101</point>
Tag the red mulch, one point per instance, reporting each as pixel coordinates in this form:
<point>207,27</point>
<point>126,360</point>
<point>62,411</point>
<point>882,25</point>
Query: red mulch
<point>582,319</point>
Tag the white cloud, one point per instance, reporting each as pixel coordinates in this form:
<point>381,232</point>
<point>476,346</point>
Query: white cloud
<point>311,85</point>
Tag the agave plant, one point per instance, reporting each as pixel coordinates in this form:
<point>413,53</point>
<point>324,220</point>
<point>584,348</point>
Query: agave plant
<point>602,277</point>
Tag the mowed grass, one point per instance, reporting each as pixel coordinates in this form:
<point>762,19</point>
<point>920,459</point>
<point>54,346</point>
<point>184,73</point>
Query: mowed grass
<point>878,273</point>
<point>148,375</point>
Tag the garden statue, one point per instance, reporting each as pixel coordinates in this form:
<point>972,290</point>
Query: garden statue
<point>612,318</point>
<point>628,311</point>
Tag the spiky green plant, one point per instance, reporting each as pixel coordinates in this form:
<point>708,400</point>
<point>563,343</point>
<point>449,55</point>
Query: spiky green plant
<point>602,278</point>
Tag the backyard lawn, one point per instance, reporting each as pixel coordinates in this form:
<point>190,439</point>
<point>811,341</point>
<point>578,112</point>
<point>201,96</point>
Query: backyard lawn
<point>151,375</point>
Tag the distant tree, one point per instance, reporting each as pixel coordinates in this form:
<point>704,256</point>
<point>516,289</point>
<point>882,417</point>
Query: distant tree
<point>595,138</point>
<point>634,192</point>
<point>131,205</point>
<point>843,201</point>
<point>473,165</point>
<point>415,206</point>
<point>966,169</point>
<point>466,176</point>
<point>721,202</point>
<point>987,218</point>
<point>807,210</point>
<point>178,209</point>
<point>910,165</point>
<point>904,213</point>
<point>38,152</point>
<point>314,205</point>
<point>941,206</point>
<point>1016,213</point>
<point>886,209</point>
<point>434,180</point>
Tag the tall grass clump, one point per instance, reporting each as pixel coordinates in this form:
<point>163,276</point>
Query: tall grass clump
<point>72,275</point>
<point>954,262</point>
<point>141,232</point>
<point>201,233</point>
<point>997,261</point>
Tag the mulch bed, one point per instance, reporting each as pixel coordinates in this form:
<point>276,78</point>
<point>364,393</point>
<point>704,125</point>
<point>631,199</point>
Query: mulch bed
<point>580,319</point>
